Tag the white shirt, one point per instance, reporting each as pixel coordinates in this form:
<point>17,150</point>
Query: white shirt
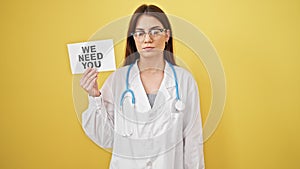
<point>141,137</point>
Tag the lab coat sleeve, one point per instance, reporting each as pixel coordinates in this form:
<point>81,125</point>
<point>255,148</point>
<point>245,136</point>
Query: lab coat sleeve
<point>98,118</point>
<point>193,139</point>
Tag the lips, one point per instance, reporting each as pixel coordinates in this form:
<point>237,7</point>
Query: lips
<point>148,48</point>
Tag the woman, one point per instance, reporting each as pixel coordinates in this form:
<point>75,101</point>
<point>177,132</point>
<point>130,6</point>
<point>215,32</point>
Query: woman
<point>148,110</point>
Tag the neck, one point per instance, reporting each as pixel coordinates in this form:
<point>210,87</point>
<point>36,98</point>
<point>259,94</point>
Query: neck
<point>156,64</point>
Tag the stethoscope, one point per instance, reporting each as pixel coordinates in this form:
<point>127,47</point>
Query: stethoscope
<point>179,105</point>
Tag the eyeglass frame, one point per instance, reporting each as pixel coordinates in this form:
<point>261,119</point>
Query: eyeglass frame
<point>149,33</point>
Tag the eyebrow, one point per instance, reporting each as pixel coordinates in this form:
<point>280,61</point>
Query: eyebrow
<point>149,29</point>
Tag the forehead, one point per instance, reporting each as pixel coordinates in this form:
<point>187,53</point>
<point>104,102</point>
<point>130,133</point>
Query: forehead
<point>147,22</point>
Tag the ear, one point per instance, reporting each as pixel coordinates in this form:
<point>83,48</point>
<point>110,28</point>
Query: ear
<point>168,34</point>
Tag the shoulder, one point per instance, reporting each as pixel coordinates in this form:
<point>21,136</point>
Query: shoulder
<point>188,86</point>
<point>185,80</point>
<point>184,74</point>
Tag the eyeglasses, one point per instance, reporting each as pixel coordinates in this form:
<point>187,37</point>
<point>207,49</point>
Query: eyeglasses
<point>153,33</point>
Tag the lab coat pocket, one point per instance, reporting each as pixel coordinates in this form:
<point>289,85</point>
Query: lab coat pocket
<point>176,115</point>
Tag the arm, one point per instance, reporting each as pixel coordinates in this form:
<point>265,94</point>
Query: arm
<point>193,141</point>
<point>98,119</point>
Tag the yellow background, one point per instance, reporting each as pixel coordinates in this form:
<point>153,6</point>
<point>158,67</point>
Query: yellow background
<point>258,43</point>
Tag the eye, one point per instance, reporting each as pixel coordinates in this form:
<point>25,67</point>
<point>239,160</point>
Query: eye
<point>139,33</point>
<point>155,31</point>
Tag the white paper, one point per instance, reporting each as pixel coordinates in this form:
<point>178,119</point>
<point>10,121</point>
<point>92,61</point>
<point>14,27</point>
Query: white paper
<point>95,54</point>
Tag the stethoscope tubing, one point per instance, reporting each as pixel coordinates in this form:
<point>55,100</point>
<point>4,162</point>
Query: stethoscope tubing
<point>127,88</point>
<point>132,93</point>
<point>179,104</point>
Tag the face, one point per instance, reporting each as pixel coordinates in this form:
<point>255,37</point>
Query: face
<point>153,42</point>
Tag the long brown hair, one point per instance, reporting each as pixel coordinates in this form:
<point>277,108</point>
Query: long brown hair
<point>131,54</point>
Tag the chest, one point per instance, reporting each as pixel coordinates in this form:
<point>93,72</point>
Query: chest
<point>145,125</point>
<point>151,80</point>
<point>149,133</point>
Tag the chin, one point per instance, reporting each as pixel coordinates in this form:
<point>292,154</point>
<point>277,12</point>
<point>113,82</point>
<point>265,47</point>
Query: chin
<point>152,53</point>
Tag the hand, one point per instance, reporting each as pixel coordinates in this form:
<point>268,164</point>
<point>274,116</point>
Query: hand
<point>89,82</point>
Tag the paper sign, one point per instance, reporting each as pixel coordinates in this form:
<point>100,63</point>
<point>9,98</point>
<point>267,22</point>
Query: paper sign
<point>93,54</point>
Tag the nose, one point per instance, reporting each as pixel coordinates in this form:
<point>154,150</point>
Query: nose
<point>147,38</point>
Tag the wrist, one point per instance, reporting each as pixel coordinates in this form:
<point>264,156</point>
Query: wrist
<point>97,94</point>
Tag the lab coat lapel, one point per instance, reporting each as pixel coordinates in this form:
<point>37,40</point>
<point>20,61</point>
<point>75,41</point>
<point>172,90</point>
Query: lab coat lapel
<point>141,100</point>
<point>164,94</point>
<point>165,91</point>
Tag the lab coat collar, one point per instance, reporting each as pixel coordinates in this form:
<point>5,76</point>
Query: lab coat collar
<point>163,95</point>
<point>168,74</point>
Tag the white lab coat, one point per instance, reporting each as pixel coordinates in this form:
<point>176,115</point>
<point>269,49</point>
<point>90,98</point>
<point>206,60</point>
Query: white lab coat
<point>141,138</point>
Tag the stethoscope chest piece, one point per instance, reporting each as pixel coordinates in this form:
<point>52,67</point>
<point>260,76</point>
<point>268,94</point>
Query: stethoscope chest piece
<point>179,105</point>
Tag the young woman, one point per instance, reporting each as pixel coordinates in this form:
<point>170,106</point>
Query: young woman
<point>148,110</point>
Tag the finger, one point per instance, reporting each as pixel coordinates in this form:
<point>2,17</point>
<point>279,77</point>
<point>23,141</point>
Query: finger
<point>84,75</point>
<point>92,85</point>
<point>87,71</point>
<point>87,78</point>
<point>91,79</point>
<point>93,72</point>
